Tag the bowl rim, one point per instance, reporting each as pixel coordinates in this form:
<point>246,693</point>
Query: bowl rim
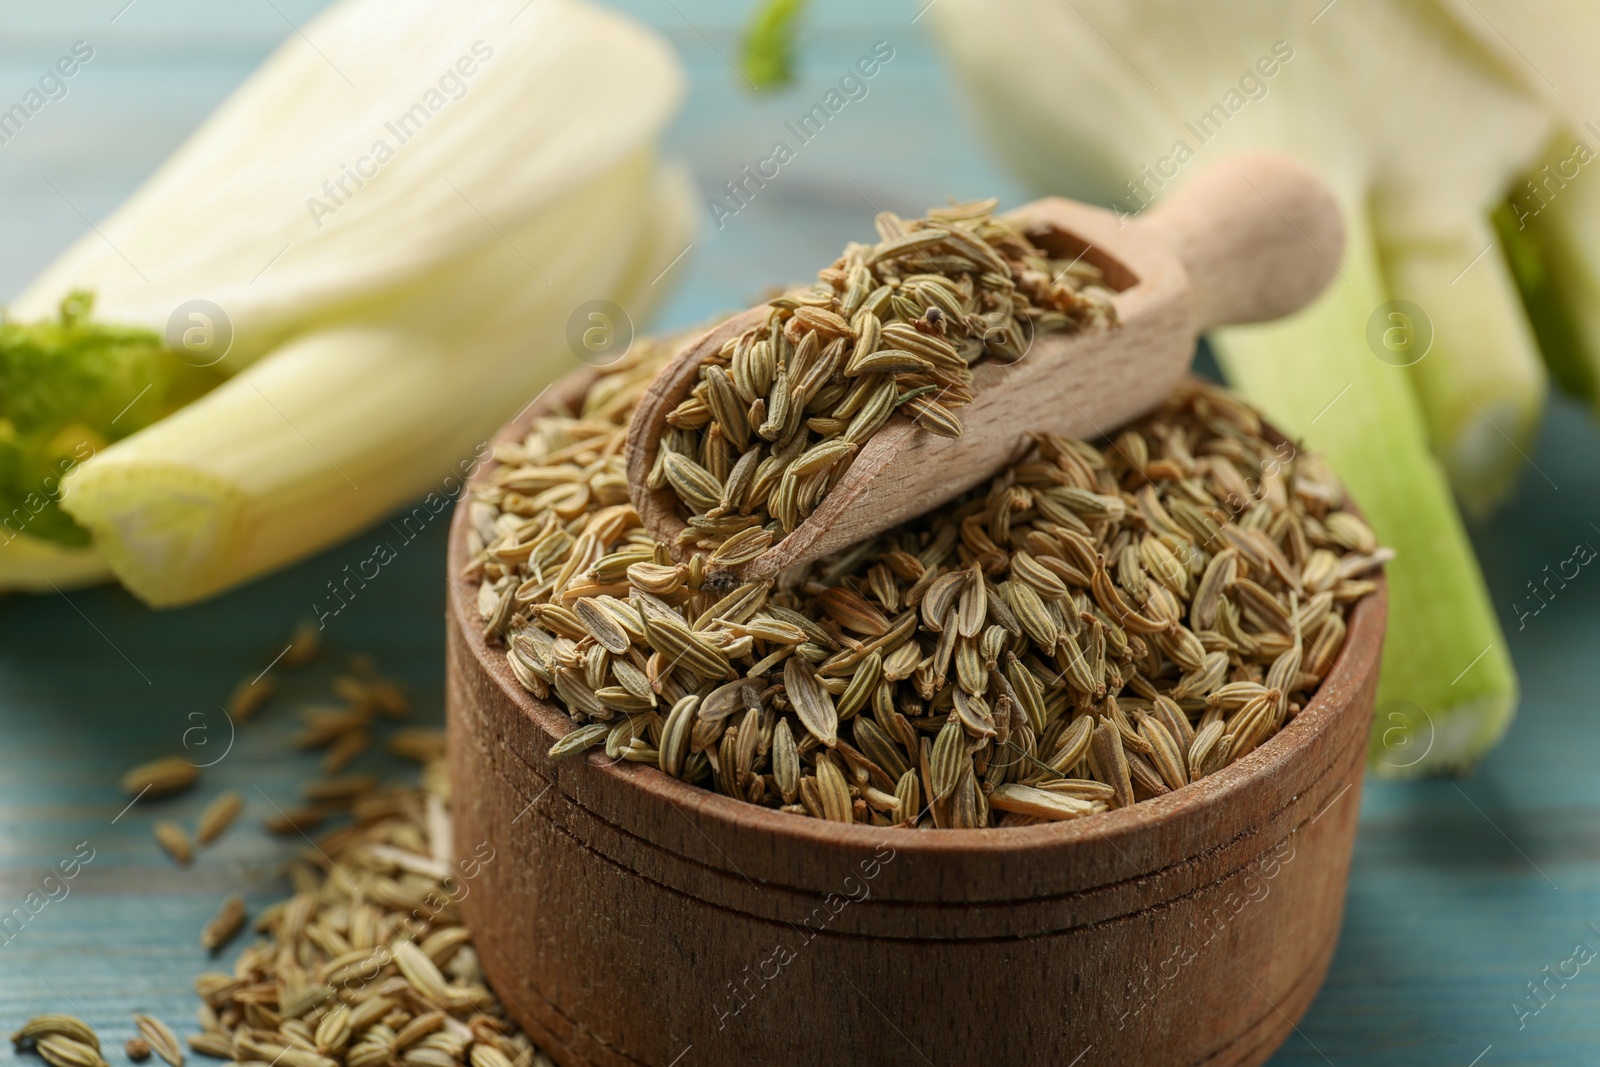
<point>1333,698</point>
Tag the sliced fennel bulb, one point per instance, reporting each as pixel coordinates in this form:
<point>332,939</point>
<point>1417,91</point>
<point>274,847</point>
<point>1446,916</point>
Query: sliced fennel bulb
<point>388,313</point>
<point>1421,132</point>
<point>1552,216</point>
<point>65,389</point>
<point>32,565</point>
<point>304,448</point>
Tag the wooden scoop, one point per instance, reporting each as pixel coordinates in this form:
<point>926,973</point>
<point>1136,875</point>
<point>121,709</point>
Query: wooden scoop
<point>1253,238</point>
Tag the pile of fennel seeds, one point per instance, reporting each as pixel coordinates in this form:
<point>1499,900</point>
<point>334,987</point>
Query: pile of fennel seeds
<point>367,963</point>
<point>779,412</point>
<point>1094,627</point>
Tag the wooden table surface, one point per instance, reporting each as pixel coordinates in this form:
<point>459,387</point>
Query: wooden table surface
<point>1462,892</point>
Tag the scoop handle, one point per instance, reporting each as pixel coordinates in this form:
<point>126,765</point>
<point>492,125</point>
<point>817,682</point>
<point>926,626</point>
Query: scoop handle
<point>1259,235</point>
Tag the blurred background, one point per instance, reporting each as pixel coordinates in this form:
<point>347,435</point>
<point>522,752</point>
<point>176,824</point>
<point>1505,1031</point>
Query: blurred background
<point>1464,889</point>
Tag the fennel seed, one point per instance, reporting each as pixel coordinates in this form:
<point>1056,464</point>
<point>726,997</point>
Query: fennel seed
<point>217,817</point>
<point>159,778</point>
<point>159,1038</point>
<point>42,1026</point>
<point>1103,623</point>
<point>227,922</point>
<point>172,838</point>
<point>777,415</point>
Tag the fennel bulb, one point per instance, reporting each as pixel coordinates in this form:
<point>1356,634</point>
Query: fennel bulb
<point>396,217</point>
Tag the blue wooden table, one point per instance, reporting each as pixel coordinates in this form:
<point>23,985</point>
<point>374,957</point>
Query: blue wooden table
<point>1462,892</point>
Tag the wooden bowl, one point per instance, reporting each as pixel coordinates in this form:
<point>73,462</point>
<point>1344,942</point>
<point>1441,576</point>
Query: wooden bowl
<point>631,918</point>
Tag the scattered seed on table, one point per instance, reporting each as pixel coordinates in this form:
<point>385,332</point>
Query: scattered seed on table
<point>304,646</point>
<point>226,923</point>
<point>250,696</point>
<point>160,777</point>
<point>41,1026</point>
<point>160,1039</point>
<point>171,837</point>
<point>218,816</point>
